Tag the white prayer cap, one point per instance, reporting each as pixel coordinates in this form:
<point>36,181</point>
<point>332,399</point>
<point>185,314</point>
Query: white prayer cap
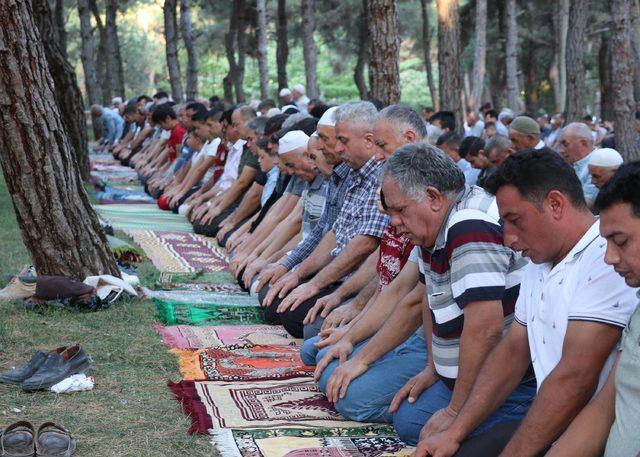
<point>273,112</point>
<point>116,100</point>
<point>314,135</point>
<point>329,117</point>
<point>506,113</point>
<point>299,88</point>
<point>605,157</point>
<point>284,92</point>
<point>291,141</point>
<point>285,108</point>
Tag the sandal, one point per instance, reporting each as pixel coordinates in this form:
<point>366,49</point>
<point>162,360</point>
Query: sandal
<point>53,440</point>
<point>17,440</point>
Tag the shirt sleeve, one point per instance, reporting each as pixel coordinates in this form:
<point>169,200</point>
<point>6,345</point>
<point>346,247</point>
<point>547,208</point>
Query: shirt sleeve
<point>370,220</point>
<point>520,313</point>
<point>479,262</point>
<point>305,248</point>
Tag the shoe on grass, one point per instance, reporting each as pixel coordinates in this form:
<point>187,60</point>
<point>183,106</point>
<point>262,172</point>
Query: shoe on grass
<point>53,440</point>
<point>21,374</point>
<point>18,289</point>
<point>57,367</point>
<point>18,440</point>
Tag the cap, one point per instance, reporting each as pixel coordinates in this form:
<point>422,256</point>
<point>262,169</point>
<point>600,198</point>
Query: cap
<point>605,157</point>
<point>329,117</point>
<point>299,88</point>
<point>284,92</point>
<point>525,125</point>
<point>291,141</point>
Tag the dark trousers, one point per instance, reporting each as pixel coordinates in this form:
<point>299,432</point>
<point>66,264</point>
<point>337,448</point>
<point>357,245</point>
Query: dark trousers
<point>492,442</point>
<point>188,194</point>
<point>211,229</point>
<point>292,320</point>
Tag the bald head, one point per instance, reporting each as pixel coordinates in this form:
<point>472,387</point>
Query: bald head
<point>576,142</point>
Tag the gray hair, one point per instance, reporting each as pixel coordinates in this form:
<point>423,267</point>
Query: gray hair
<point>256,124</point>
<point>414,167</point>
<point>498,143</point>
<point>294,119</point>
<point>403,117</point>
<point>580,130</point>
<point>177,107</point>
<point>362,114</point>
<point>246,112</point>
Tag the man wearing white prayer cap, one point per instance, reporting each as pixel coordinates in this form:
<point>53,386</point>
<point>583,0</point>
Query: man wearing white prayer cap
<point>299,97</point>
<point>286,97</point>
<point>291,149</point>
<point>603,163</point>
<point>327,134</point>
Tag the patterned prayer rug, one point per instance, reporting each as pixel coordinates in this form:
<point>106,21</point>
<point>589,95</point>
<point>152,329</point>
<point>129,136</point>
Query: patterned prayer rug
<point>373,441</point>
<point>188,336</point>
<point>142,217</point>
<point>242,363</point>
<point>287,403</point>
<point>179,251</point>
<point>193,297</point>
<point>173,313</point>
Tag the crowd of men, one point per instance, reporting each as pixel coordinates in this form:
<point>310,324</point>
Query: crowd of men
<point>477,291</point>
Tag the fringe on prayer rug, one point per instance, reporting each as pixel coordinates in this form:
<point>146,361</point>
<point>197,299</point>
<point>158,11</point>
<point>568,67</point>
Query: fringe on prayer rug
<point>288,403</point>
<point>180,251</point>
<point>373,441</point>
<point>242,363</point>
<point>173,313</point>
<point>188,336</point>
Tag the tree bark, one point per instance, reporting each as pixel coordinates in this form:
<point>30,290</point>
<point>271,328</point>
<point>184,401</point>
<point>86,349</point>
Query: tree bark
<point>511,61</point>
<point>61,33</point>
<point>426,50</point>
<point>363,52</point>
<point>186,28</point>
<point>604,74</point>
<point>307,11</point>
<point>59,227</point>
<point>101,59</point>
<point>171,49</point>
<point>282,44</point>
<point>479,55</point>
<point>67,93</point>
<point>449,59</point>
<point>112,48</point>
<point>384,52</point>
<point>624,105</point>
<point>576,86</point>
<point>263,61</point>
<point>87,52</point>
<point>635,46</point>
<point>241,39</point>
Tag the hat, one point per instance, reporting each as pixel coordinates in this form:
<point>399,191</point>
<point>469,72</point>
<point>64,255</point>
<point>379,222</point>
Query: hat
<point>329,117</point>
<point>525,125</point>
<point>288,107</point>
<point>116,100</point>
<point>284,92</point>
<point>291,141</point>
<point>273,112</point>
<point>299,88</point>
<point>506,113</point>
<point>605,157</point>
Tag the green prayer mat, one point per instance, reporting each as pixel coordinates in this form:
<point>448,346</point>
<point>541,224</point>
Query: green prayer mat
<point>143,217</point>
<point>176,313</point>
<point>196,277</point>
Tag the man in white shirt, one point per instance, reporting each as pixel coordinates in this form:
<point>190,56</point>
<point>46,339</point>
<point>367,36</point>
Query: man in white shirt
<point>569,315</point>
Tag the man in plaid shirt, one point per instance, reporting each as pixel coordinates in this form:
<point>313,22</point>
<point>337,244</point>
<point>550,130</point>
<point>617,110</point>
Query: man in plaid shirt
<point>354,235</point>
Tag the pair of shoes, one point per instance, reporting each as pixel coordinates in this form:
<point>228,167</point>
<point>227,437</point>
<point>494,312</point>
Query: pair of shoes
<point>18,288</point>
<point>20,439</point>
<point>45,370</point>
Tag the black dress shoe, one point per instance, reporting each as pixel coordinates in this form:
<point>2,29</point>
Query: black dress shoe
<point>19,375</point>
<point>57,367</point>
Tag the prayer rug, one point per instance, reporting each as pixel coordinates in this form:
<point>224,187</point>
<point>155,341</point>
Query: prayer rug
<point>242,363</point>
<point>114,195</point>
<point>173,313</point>
<point>142,217</point>
<point>373,441</point>
<point>123,251</point>
<point>200,281</point>
<point>188,336</point>
<point>287,403</point>
<point>179,251</point>
<point>192,297</point>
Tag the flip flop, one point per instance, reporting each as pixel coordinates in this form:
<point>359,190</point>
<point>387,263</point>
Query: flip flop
<point>53,440</point>
<point>17,440</point>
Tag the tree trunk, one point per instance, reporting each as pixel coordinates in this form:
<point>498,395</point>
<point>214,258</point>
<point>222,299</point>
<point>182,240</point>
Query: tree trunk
<point>384,51</point>
<point>67,93</point>
<point>241,38</point>
<point>635,46</point>
<point>263,60</point>
<point>426,50</point>
<point>604,73</point>
<point>186,29</point>
<point>307,11</point>
<point>449,59</point>
<point>87,52</point>
<point>282,45</point>
<point>61,33</point>
<point>622,77</point>
<point>531,68</point>
<point>101,59</point>
<point>576,86</point>
<point>112,48</point>
<point>479,55</point>
<point>511,51</point>
<point>59,227</point>
<point>363,52</point>
<point>171,49</point>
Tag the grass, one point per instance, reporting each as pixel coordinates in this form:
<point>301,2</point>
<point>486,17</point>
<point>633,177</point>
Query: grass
<point>130,412</point>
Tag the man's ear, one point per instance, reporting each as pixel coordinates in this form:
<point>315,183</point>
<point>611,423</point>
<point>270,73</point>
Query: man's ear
<point>435,198</point>
<point>369,140</point>
<point>410,136</point>
<point>556,202</point>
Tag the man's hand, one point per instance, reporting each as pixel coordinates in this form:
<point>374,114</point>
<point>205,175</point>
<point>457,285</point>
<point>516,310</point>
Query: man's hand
<point>341,350</point>
<point>439,422</point>
<point>210,215</point>
<point>223,232</point>
<point>414,387</point>
<point>323,307</point>
<point>330,336</point>
<point>298,296</point>
<point>271,274</point>
<point>252,270</point>
<point>342,377</point>
<point>282,286</point>
<point>235,261</point>
<point>441,444</point>
<point>341,316</point>
<point>235,242</point>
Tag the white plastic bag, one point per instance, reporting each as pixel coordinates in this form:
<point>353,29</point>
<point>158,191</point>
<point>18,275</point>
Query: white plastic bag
<point>75,383</point>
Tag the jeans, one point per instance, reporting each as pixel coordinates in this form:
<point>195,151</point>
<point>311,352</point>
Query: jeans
<point>369,396</point>
<point>411,417</point>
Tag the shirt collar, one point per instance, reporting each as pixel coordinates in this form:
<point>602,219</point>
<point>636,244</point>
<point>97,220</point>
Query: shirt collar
<point>238,144</point>
<point>442,234</point>
<point>589,237</point>
<point>540,145</point>
<point>275,171</point>
<point>341,171</point>
<point>368,168</point>
<point>579,164</point>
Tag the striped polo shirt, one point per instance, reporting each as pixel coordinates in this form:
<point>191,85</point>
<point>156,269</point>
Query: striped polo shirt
<point>467,263</point>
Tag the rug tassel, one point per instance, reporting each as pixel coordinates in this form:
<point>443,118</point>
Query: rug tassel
<point>223,442</point>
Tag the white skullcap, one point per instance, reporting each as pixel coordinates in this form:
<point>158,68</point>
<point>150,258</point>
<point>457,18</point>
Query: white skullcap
<point>329,117</point>
<point>284,92</point>
<point>291,141</point>
<point>314,135</point>
<point>116,100</point>
<point>605,157</point>
<point>273,112</point>
<point>285,108</point>
<point>299,88</point>
<point>506,112</point>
